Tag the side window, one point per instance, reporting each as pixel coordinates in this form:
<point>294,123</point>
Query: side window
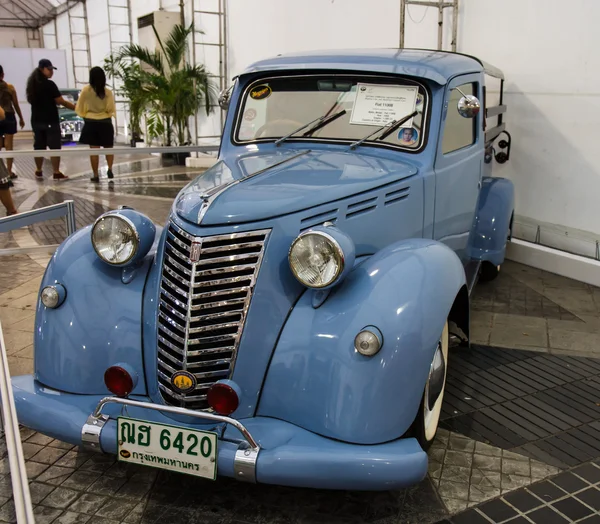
<point>459,132</point>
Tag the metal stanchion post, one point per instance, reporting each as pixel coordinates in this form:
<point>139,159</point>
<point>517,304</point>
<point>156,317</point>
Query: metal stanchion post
<point>16,460</point>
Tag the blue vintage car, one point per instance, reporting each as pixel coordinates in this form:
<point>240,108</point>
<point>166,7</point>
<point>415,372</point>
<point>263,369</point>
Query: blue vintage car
<point>290,324</point>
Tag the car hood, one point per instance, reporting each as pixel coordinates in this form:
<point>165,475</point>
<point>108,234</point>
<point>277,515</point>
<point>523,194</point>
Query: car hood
<point>68,114</point>
<point>265,185</point>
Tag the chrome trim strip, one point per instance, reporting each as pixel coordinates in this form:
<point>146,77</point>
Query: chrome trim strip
<point>173,298</point>
<point>171,260</point>
<point>215,316</point>
<point>176,288</point>
<point>171,322</point>
<point>222,281</point>
<point>245,457</point>
<point>170,250</point>
<point>214,351</point>
<point>173,310</point>
<point>206,363</point>
<point>169,345</point>
<point>195,398</point>
<point>163,353</point>
<point>210,340</point>
<point>167,367</point>
<point>182,232</point>
<point>232,302</point>
<point>178,242</point>
<point>175,275</point>
<point>221,270</point>
<point>212,327</point>
<point>234,236</point>
<point>229,258</point>
<point>171,334</point>
<point>232,247</point>
<point>221,293</point>
<point>209,374</point>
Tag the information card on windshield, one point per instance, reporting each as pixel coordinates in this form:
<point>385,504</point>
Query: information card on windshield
<point>376,104</point>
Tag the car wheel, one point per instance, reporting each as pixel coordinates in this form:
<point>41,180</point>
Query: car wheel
<point>488,272</point>
<point>428,418</point>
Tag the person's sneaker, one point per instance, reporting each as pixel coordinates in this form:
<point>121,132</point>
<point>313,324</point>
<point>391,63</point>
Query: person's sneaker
<point>39,175</point>
<point>60,177</point>
<point>95,179</point>
<point>12,175</point>
<point>109,174</point>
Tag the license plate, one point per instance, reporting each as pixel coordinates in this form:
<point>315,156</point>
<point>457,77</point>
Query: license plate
<point>167,447</point>
<point>76,137</point>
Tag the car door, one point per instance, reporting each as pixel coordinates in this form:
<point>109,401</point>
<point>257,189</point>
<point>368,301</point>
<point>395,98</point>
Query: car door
<point>458,167</point>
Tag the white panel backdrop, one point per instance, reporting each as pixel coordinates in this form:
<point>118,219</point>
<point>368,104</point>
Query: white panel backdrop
<point>548,51</point>
<point>18,65</point>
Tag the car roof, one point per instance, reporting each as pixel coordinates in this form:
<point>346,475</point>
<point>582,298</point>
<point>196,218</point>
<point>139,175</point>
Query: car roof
<point>439,66</point>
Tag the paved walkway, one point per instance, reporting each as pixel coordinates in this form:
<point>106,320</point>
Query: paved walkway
<point>527,321</point>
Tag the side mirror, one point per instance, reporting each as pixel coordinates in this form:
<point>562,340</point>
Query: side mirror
<point>468,106</point>
<point>224,97</point>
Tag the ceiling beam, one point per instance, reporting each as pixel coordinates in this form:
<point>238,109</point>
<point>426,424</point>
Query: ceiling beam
<point>19,16</point>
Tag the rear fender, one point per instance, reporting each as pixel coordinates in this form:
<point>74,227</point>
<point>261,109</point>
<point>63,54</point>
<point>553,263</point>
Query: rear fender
<point>318,381</point>
<point>99,323</point>
<point>493,220</point>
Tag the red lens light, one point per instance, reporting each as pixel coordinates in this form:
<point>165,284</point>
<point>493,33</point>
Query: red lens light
<point>223,399</point>
<point>118,381</point>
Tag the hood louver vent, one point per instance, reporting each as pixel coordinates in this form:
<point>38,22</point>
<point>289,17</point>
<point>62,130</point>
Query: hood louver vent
<point>396,195</point>
<point>362,207</point>
<point>318,220</point>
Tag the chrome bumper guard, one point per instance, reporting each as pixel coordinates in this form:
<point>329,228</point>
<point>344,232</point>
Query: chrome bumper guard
<point>245,457</point>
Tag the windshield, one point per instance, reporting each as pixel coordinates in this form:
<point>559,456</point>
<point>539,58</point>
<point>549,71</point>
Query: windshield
<point>70,96</point>
<point>274,108</point>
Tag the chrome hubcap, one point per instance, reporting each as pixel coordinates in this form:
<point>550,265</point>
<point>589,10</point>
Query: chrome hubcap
<point>437,375</point>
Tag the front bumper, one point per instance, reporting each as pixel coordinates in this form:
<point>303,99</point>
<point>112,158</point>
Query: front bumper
<point>285,454</point>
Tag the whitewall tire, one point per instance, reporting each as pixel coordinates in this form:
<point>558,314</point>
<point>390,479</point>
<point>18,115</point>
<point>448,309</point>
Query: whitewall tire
<point>428,418</point>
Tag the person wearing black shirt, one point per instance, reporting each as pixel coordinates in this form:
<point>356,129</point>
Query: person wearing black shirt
<point>43,95</point>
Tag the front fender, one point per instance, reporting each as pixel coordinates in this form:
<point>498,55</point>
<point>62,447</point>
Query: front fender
<point>98,324</point>
<point>318,381</point>
<point>492,222</point>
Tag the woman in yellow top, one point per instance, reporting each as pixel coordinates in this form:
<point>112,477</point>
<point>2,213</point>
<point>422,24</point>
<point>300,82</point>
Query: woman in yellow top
<point>96,105</point>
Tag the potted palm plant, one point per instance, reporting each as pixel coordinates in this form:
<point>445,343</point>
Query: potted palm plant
<point>131,87</point>
<point>172,89</point>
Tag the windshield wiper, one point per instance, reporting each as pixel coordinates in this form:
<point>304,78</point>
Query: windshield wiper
<point>389,128</point>
<point>320,122</point>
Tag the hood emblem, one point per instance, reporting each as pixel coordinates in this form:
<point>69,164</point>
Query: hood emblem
<point>195,250</point>
<point>183,381</point>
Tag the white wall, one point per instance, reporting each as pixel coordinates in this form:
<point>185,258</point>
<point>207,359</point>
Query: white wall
<point>18,65</point>
<point>547,50</point>
<point>13,37</point>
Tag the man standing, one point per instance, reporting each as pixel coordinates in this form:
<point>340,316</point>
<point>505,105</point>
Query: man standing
<point>43,95</point>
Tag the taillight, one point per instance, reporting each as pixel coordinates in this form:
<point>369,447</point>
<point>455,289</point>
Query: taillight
<point>222,398</point>
<point>118,381</point>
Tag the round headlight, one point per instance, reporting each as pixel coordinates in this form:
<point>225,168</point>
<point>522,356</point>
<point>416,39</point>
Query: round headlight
<point>115,239</point>
<point>316,259</point>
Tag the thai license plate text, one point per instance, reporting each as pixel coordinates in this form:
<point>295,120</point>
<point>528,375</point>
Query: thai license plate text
<point>167,447</point>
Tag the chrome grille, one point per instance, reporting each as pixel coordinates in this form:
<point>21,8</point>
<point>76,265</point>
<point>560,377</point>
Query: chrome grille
<point>202,307</point>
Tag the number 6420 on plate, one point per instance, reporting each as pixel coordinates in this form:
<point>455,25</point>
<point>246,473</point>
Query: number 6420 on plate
<point>167,447</point>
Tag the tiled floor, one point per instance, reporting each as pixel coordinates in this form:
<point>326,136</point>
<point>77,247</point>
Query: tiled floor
<point>533,332</point>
